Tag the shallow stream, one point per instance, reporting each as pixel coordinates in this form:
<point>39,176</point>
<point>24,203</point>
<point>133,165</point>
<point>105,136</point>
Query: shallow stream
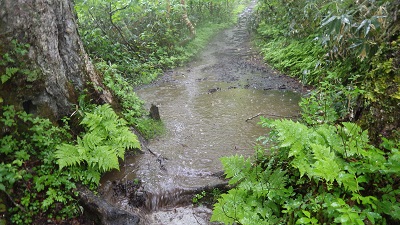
<point>209,109</point>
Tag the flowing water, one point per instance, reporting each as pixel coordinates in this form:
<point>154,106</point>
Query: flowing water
<point>210,110</point>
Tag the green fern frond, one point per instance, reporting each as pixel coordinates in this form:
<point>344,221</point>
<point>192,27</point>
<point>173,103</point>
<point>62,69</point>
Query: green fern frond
<point>92,121</point>
<point>105,142</point>
<point>103,158</point>
<point>91,175</point>
<point>68,155</point>
<point>325,166</point>
<point>126,139</point>
<point>92,140</point>
<point>236,168</point>
<point>292,134</point>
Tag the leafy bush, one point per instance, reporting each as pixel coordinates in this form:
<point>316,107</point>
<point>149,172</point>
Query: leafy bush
<point>105,141</point>
<point>349,52</point>
<point>299,58</point>
<point>27,172</point>
<point>313,175</point>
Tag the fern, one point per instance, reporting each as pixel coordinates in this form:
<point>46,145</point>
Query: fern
<point>68,155</point>
<point>99,149</point>
<point>349,180</point>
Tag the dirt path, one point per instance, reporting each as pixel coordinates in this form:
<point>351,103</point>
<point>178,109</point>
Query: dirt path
<point>204,106</point>
<point>230,57</point>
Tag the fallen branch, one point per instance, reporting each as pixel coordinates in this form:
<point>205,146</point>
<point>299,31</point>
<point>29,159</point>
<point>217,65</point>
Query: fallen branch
<point>12,200</point>
<point>270,115</point>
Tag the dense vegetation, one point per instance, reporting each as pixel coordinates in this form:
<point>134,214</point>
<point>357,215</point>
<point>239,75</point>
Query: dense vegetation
<point>340,163</point>
<point>143,37</point>
<point>130,42</point>
<point>137,40</point>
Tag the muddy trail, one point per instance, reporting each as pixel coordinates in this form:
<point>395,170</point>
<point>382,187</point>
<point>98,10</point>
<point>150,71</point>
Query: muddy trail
<point>210,109</point>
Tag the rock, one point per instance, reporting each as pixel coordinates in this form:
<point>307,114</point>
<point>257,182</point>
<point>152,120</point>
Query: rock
<point>154,112</point>
<point>212,90</point>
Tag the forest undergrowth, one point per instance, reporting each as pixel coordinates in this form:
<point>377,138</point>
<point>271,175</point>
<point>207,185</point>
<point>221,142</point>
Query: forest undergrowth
<point>339,163</point>
<point>130,43</point>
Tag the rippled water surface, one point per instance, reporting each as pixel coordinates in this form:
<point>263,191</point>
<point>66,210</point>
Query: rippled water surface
<point>209,109</point>
<point>204,121</point>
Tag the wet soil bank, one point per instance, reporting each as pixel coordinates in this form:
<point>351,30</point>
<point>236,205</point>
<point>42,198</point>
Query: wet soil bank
<point>209,108</point>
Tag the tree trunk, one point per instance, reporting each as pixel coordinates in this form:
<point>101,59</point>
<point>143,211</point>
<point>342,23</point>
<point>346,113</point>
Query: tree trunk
<point>187,21</point>
<point>63,69</point>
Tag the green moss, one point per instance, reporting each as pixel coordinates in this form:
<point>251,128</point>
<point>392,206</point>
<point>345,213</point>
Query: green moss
<point>150,128</point>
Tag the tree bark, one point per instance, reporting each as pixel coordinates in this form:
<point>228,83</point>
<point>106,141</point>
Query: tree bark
<point>187,21</point>
<point>50,28</point>
<point>102,212</point>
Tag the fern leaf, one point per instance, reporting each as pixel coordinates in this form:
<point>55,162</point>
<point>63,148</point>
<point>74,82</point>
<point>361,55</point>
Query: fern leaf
<point>104,158</point>
<point>91,140</point>
<point>326,135</point>
<point>236,168</point>
<point>92,121</point>
<point>127,139</point>
<point>93,175</point>
<point>291,134</point>
<point>228,207</point>
<point>325,166</point>
<point>67,155</point>
<point>287,133</point>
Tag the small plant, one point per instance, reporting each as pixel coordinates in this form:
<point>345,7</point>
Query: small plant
<point>14,62</point>
<point>197,197</point>
<point>10,59</point>
<point>27,173</point>
<point>99,149</point>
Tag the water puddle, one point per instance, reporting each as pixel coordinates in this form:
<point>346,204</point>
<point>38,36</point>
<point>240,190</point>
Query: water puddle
<point>204,126</point>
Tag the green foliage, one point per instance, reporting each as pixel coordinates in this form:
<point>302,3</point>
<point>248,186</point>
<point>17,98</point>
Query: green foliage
<point>27,174</point>
<point>300,58</point>
<point>98,150</point>
<point>13,62</point>
<point>132,106</point>
<point>313,175</point>
<point>330,102</point>
<point>355,28</point>
<point>198,197</point>
<point>142,38</point>
<point>349,52</point>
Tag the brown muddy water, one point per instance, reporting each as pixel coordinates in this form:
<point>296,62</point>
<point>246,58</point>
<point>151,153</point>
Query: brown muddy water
<point>206,107</point>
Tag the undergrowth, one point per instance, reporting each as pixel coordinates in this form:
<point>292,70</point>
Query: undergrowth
<point>339,164</point>
<point>41,164</point>
<point>323,174</point>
